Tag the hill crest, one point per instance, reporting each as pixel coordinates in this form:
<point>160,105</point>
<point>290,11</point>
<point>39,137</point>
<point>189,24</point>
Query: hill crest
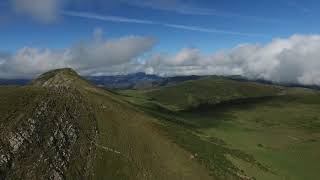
<point>65,77</point>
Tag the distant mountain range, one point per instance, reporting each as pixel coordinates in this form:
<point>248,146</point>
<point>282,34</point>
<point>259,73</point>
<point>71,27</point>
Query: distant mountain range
<point>137,81</point>
<point>131,81</point>
<point>14,81</point>
<point>142,80</point>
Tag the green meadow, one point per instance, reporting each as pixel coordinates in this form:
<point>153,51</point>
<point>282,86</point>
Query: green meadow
<point>264,132</point>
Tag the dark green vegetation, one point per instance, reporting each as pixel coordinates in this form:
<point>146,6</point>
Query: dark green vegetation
<point>62,127</point>
<point>211,90</point>
<point>240,130</point>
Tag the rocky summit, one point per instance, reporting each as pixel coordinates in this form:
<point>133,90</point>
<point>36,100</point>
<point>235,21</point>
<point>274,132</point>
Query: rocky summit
<point>51,129</point>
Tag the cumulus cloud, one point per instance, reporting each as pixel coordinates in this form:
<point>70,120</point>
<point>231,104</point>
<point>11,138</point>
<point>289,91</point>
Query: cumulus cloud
<point>292,60</point>
<point>95,56</point>
<point>42,10</point>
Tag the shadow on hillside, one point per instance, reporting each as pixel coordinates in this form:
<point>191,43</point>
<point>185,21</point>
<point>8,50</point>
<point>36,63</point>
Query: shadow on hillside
<point>212,115</point>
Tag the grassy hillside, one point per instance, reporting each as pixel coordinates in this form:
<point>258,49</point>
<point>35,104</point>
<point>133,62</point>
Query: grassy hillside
<point>61,126</point>
<point>281,133</point>
<point>45,133</point>
<point>133,145</point>
<point>210,90</point>
<point>269,133</point>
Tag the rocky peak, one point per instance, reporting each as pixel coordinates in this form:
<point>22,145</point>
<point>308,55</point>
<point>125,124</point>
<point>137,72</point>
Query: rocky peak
<point>65,77</point>
<point>52,134</point>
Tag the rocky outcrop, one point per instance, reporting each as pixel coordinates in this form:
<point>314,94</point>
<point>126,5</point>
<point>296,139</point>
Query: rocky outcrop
<point>55,140</point>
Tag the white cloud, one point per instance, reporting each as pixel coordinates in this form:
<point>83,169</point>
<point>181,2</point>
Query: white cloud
<point>42,10</point>
<point>292,60</point>
<point>90,57</point>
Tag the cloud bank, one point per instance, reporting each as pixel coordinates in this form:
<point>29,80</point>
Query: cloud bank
<point>91,57</point>
<point>292,60</point>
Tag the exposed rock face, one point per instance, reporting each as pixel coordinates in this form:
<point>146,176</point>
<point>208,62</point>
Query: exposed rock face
<point>55,140</point>
<point>66,78</point>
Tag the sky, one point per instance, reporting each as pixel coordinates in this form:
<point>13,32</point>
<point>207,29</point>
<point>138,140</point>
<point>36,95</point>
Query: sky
<point>276,40</point>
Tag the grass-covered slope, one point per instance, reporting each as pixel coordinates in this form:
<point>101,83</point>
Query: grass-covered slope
<point>45,134</point>
<point>132,145</point>
<point>62,127</point>
<point>282,133</point>
<point>267,134</point>
<point>210,90</point>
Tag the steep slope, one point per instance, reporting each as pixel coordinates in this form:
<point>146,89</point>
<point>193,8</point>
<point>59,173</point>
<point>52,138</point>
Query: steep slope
<point>133,145</point>
<point>62,127</point>
<point>46,133</point>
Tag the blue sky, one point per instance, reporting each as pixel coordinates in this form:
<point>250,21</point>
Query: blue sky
<point>277,40</point>
<point>245,21</point>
